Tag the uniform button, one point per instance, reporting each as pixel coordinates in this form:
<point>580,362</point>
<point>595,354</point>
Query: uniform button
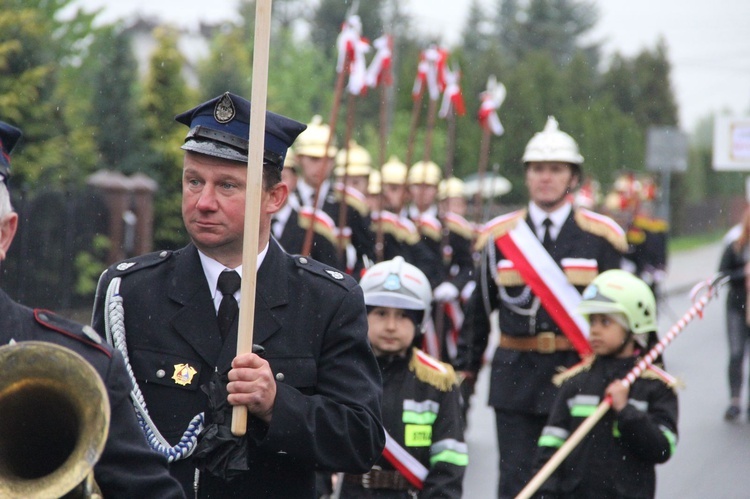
<point>303,260</point>
<point>160,373</point>
<point>44,317</point>
<point>280,377</point>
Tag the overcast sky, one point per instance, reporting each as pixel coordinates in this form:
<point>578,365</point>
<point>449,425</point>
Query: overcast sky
<point>708,41</point>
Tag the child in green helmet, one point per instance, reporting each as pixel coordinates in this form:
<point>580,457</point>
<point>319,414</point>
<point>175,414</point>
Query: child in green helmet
<point>618,456</point>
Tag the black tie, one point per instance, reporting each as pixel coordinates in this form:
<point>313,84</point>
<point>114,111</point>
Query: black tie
<point>229,283</point>
<point>547,241</point>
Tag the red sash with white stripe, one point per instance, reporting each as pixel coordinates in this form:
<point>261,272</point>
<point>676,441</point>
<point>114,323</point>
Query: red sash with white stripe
<point>545,278</point>
<point>405,463</point>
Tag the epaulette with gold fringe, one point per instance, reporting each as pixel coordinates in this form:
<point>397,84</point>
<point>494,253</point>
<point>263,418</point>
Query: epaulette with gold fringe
<point>636,235</point>
<point>574,370</point>
<point>650,224</point>
<point>459,225</point>
<point>655,372</point>
<point>431,371</point>
<point>601,226</point>
<point>497,227</point>
<point>354,199</point>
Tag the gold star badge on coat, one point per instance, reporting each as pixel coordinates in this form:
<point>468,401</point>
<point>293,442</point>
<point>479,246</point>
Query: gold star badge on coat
<point>183,374</point>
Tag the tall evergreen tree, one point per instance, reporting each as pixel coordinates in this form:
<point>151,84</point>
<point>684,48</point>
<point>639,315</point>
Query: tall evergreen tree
<point>114,112</point>
<point>166,95</point>
<point>35,48</point>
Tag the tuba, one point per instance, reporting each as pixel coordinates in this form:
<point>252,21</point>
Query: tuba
<point>54,421</point>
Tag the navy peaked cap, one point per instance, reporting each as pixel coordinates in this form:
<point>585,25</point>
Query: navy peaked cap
<point>9,136</point>
<point>221,126</point>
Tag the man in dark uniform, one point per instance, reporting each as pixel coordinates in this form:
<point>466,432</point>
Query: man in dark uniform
<point>316,165</point>
<point>532,344</point>
<point>127,466</point>
<point>313,398</point>
<point>286,227</point>
<point>442,253</point>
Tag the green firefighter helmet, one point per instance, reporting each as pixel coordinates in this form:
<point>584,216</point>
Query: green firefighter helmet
<point>618,291</point>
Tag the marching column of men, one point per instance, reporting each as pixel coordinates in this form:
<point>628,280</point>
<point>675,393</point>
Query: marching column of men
<point>347,214</point>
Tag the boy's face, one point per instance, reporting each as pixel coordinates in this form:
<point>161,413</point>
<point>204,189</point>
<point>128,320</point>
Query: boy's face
<point>391,331</point>
<point>607,336</point>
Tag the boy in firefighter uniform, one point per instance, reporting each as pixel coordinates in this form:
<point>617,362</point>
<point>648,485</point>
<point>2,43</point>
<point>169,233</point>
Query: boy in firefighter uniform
<point>617,458</point>
<point>425,454</point>
<point>535,262</point>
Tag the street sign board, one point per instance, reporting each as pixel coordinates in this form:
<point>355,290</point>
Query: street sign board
<point>666,149</point>
<point>731,144</point>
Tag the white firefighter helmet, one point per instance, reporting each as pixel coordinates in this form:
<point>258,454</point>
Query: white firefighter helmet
<point>312,141</point>
<point>425,172</point>
<point>397,284</point>
<point>373,183</point>
<point>357,160</point>
<point>394,171</point>
<point>453,187</point>
<point>619,291</point>
<point>551,144</point>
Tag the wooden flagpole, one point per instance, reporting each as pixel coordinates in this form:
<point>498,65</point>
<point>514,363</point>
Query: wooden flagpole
<point>253,193</point>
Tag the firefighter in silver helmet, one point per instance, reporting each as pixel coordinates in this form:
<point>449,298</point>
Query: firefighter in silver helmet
<point>426,455</point>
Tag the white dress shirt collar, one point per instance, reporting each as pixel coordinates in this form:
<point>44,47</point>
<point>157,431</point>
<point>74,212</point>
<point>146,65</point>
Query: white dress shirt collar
<point>212,269</point>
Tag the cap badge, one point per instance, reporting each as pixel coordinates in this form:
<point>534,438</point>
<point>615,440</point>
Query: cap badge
<point>224,110</point>
<point>392,283</point>
<point>183,374</point>
<point>336,275</point>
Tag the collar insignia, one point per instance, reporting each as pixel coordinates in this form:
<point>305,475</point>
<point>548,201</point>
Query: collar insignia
<point>125,265</point>
<point>336,275</point>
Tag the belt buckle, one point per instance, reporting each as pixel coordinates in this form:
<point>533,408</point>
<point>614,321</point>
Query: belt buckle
<point>545,342</point>
<point>367,478</point>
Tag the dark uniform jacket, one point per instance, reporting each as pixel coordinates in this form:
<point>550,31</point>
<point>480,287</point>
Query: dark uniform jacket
<point>127,467</point>
<point>310,319</point>
<point>617,457</point>
<point>293,239</point>
<point>361,238</point>
<point>441,258</point>
<point>521,381</point>
<point>420,400</point>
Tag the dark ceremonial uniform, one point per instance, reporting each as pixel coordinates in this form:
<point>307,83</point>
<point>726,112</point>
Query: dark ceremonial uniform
<point>399,235</point>
<point>617,457</point>
<point>127,467</point>
<point>647,249</point>
<point>357,222</point>
<point>532,346</point>
<point>310,320</point>
<point>422,412</point>
<point>452,263</point>
<point>292,238</point>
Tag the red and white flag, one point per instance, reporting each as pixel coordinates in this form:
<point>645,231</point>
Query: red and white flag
<point>452,97</point>
<point>431,72</point>
<point>491,99</point>
<point>379,70</point>
<point>352,48</point>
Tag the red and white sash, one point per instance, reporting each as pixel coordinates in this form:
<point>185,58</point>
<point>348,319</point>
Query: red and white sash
<point>414,471</point>
<point>545,278</point>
